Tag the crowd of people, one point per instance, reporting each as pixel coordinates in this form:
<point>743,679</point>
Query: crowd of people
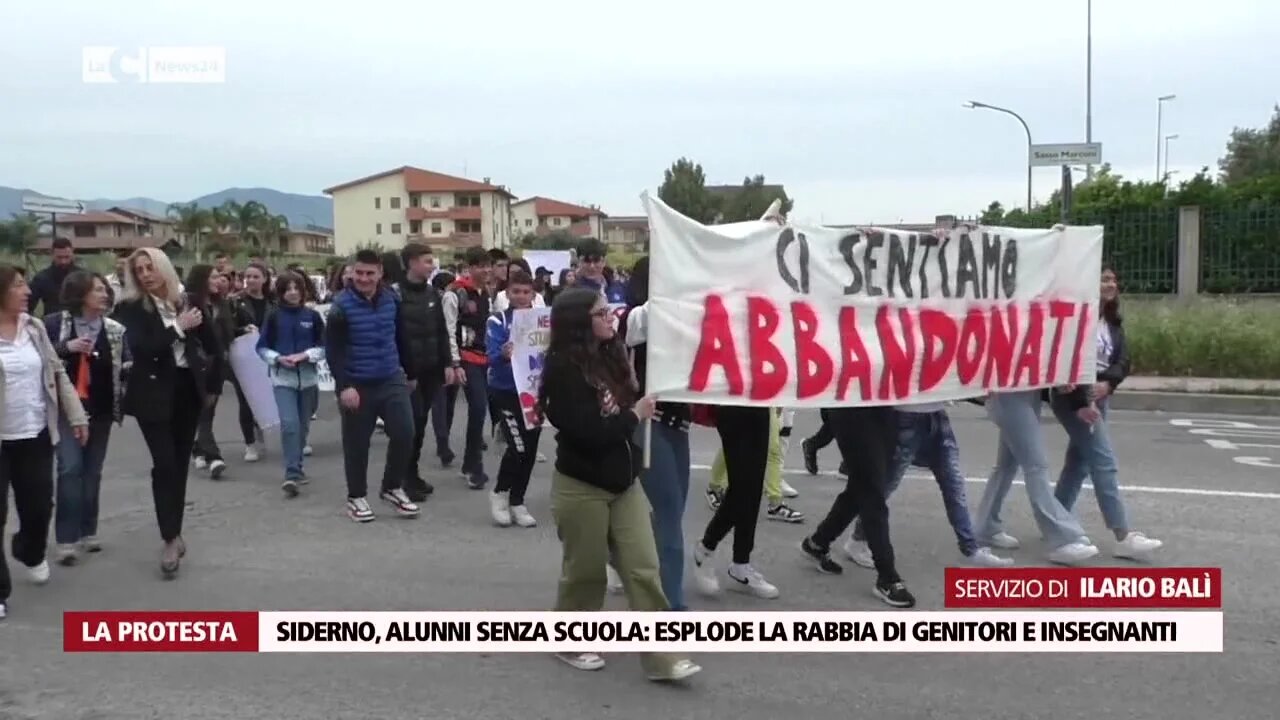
<point>403,338</point>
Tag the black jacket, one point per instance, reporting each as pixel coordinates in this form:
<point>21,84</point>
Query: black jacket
<point>423,327</point>
<point>149,393</point>
<point>1117,369</point>
<point>590,447</point>
<point>46,287</point>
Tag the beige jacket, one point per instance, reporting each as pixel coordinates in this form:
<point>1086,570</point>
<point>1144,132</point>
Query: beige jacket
<point>58,390</point>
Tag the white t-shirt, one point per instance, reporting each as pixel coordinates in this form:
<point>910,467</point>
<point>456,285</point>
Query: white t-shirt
<point>23,416</point>
<point>501,303</point>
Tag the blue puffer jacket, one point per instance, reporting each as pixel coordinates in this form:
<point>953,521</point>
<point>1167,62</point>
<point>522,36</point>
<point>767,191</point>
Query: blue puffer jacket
<point>289,331</point>
<point>497,333</point>
<point>364,344</point>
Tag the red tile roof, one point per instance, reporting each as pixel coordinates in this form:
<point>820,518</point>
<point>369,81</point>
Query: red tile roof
<point>546,207</point>
<point>95,217</point>
<point>419,180</point>
<point>140,214</point>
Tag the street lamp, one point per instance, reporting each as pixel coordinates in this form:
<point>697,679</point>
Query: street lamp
<point>1160,101</point>
<point>975,105</point>
<point>1167,138</point>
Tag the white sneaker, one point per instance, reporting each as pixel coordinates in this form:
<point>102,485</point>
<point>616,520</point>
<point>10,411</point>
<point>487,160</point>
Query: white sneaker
<point>499,509</point>
<point>251,454</point>
<point>216,468</point>
<point>400,501</point>
<point>66,553</point>
<point>1136,546</point>
<point>358,510</point>
<point>40,573</point>
<point>859,552</point>
<point>200,463</point>
<point>788,491</point>
<point>681,670</point>
<point>521,515</point>
<point>581,661</point>
<point>91,544</point>
<point>613,580</point>
<point>704,570</point>
<point>1005,541</point>
<point>306,450</point>
<point>983,557</point>
<point>1072,553</point>
<point>747,579</point>
<point>542,458</point>
<point>4,610</point>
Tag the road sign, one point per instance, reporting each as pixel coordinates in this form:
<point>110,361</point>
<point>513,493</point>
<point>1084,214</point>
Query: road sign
<point>1066,154</point>
<point>59,206</point>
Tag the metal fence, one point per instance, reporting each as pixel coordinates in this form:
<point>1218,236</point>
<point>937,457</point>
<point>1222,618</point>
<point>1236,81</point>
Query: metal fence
<point>1240,249</point>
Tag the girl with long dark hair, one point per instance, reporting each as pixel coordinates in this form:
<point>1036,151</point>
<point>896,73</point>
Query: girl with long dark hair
<point>1089,452</point>
<point>206,289</point>
<point>174,375</point>
<point>589,394</point>
<point>250,308</point>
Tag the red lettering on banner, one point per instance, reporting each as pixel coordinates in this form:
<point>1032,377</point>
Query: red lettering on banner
<point>1001,346</point>
<point>1172,588</point>
<point>899,357</point>
<point>762,324</point>
<point>1080,338</point>
<point>1059,310</point>
<point>814,366</point>
<point>973,346</point>
<point>938,334</point>
<point>715,347</point>
<point>855,364</point>
<point>1029,358</point>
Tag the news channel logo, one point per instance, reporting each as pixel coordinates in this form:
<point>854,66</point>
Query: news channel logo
<point>156,64</point>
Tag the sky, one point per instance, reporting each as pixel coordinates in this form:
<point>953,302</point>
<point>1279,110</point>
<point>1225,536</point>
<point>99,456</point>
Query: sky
<point>855,107</point>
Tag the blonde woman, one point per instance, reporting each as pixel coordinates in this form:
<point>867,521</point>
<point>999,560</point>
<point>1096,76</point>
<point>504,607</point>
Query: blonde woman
<point>175,373</point>
<point>34,394</point>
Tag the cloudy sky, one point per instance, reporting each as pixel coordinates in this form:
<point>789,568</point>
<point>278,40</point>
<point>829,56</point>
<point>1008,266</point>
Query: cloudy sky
<point>855,106</point>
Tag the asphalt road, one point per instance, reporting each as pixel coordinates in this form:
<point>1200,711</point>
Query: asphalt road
<point>251,549</point>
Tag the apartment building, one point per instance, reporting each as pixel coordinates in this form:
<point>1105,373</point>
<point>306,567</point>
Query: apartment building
<point>407,204</point>
<point>539,216</point>
<point>629,232</point>
<point>117,229</point>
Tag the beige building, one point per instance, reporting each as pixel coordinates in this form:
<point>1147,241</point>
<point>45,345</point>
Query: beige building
<point>116,229</point>
<point>539,216</point>
<point>306,240</point>
<point>406,204</point>
<point>627,232</point>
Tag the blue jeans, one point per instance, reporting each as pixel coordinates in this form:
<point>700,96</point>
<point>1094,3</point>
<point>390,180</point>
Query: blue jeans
<point>296,407</point>
<point>666,485</point>
<point>1089,454</point>
<point>79,480</point>
<point>927,440</point>
<point>1021,444</point>
<point>477,390</point>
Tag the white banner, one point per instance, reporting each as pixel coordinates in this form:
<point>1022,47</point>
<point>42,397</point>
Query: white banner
<point>251,372</point>
<point>326,383</point>
<point>768,315</point>
<point>553,260</point>
<point>752,632</point>
<point>530,334</point>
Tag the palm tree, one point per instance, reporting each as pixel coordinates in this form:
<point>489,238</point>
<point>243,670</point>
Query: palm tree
<point>192,222</point>
<point>244,219</point>
<point>21,233</point>
<point>271,227</point>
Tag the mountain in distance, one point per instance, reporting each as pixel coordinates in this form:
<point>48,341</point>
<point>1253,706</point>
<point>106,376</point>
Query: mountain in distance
<point>302,210</point>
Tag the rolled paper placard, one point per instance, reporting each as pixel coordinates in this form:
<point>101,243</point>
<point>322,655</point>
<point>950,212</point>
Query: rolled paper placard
<point>648,442</point>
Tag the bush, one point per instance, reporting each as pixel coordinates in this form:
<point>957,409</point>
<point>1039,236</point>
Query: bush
<point>1206,337</point>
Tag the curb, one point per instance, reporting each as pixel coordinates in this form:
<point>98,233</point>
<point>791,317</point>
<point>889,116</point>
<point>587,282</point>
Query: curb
<point>1185,402</point>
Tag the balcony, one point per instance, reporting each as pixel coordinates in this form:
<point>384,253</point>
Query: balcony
<point>462,240</point>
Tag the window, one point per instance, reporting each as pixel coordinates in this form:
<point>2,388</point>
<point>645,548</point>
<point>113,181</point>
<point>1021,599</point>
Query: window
<point>377,229</point>
<point>555,221</point>
<point>415,200</point>
<point>395,203</point>
<point>528,222</point>
<point>395,228</point>
<point>415,226</point>
<point>466,226</point>
<point>84,231</point>
<point>377,203</point>
<point>467,201</point>
<point>435,201</point>
<point>435,227</point>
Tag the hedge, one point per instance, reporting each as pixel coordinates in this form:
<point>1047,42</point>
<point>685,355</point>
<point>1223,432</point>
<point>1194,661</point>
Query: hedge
<point>1206,337</point>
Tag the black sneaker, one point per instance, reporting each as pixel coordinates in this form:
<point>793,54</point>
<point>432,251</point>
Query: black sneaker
<point>477,480</point>
<point>446,457</point>
<point>783,512</point>
<point>290,488</point>
<point>821,557</point>
<point>895,594</point>
<point>714,498</point>
<point>810,453</point>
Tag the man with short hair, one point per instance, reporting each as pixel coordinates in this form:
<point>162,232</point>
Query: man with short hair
<point>473,308</point>
<point>590,271</point>
<point>427,335</point>
<point>46,286</point>
<point>373,372</point>
<point>506,502</point>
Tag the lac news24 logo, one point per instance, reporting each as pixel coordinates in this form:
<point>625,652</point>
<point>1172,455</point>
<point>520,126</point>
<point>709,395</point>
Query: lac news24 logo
<point>186,64</point>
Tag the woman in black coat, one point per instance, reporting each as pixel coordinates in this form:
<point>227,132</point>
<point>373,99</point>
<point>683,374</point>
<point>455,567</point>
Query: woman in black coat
<point>175,372</point>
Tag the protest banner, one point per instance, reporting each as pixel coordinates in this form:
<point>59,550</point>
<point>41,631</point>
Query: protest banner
<point>322,368</point>
<point>251,372</point>
<point>530,335</point>
<point>768,315</point>
<point>553,260</point>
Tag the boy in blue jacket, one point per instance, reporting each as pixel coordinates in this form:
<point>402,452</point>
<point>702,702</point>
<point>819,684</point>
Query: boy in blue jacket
<point>506,502</point>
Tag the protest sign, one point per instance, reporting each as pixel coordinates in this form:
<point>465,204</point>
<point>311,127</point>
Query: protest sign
<point>768,315</point>
<point>251,372</point>
<point>322,367</point>
<point>530,335</point>
<point>553,260</point>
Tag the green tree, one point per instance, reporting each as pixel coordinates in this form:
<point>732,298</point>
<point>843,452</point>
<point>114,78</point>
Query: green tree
<point>554,240</point>
<point>194,223</point>
<point>993,215</point>
<point>244,220</point>
<point>684,188</point>
<point>271,227</point>
<point>20,234</point>
<point>1252,153</point>
<point>752,200</point>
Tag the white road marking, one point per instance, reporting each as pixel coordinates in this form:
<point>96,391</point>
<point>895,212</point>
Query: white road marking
<point>1149,489</point>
